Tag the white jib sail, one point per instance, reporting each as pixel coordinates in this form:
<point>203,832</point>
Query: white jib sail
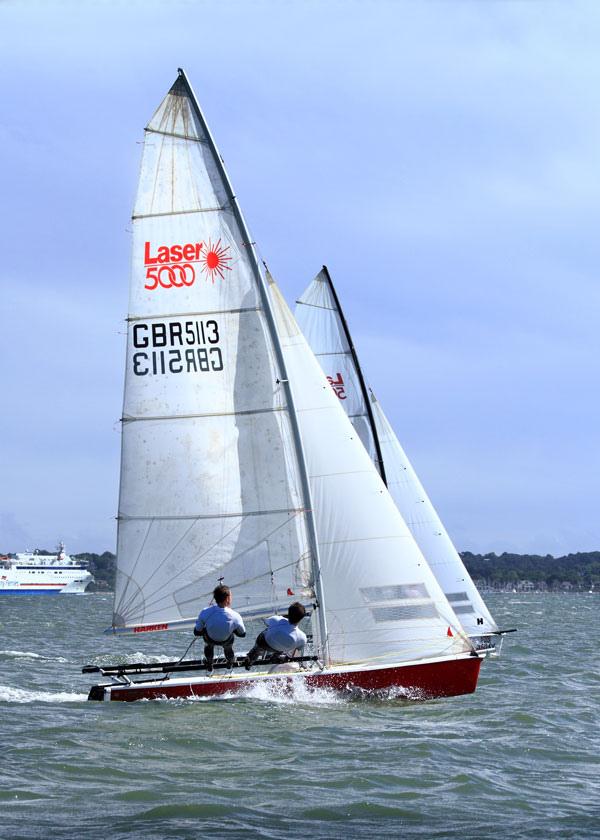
<point>210,483</point>
<point>382,602</point>
<point>320,318</point>
<point>429,532</point>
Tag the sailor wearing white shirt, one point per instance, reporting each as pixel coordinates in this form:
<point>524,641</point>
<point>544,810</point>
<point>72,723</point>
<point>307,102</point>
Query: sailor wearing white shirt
<point>281,636</point>
<point>218,624</point>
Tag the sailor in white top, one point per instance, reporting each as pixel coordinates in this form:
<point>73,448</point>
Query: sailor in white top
<point>218,624</point>
<point>281,636</point>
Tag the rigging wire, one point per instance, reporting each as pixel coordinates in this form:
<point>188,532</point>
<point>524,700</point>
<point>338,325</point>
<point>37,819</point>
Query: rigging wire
<point>193,642</point>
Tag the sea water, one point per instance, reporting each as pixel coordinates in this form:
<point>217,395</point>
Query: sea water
<point>519,758</point>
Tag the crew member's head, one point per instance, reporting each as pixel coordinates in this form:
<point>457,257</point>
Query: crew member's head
<point>222,595</point>
<point>296,613</point>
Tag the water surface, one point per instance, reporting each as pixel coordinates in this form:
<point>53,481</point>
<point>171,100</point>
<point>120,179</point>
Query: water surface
<point>519,758</point>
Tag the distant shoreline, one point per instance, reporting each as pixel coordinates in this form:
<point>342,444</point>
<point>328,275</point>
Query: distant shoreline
<point>510,573</point>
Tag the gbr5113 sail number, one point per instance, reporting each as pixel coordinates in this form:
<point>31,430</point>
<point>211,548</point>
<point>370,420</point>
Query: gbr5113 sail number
<point>164,347</point>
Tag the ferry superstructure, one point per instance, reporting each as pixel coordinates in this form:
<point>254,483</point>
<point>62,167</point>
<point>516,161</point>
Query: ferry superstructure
<point>31,573</point>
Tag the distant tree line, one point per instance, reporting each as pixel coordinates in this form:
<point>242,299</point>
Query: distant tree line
<point>579,571</point>
<point>103,568</point>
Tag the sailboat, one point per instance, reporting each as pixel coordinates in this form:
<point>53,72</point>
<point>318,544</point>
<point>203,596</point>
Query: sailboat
<point>239,464</point>
<point>321,318</point>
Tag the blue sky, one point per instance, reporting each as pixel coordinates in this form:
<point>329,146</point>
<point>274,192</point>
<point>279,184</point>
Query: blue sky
<point>441,157</point>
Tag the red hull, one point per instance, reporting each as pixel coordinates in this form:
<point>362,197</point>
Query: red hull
<point>447,678</point>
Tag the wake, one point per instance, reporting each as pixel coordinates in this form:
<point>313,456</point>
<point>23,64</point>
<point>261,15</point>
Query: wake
<point>9,694</point>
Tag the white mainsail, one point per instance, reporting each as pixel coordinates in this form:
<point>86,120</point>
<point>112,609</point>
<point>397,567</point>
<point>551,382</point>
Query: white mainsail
<point>382,602</point>
<point>211,485</point>
<point>321,319</point>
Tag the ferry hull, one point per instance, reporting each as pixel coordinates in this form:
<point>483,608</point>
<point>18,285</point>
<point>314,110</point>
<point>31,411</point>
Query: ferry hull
<point>418,681</point>
<point>75,588</point>
<point>7,591</point>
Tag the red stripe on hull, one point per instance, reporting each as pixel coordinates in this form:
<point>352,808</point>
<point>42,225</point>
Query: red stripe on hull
<point>45,585</point>
<point>449,678</point>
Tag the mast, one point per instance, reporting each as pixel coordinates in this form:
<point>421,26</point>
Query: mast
<point>363,387</point>
<point>284,381</point>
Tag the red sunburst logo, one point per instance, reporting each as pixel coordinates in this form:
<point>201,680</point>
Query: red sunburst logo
<point>214,260</point>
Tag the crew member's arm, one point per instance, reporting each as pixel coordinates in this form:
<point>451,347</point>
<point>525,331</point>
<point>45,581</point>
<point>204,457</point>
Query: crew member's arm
<point>240,629</point>
<point>199,626</point>
<point>299,649</point>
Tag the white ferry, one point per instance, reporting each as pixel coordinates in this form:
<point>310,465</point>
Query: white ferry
<point>42,574</point>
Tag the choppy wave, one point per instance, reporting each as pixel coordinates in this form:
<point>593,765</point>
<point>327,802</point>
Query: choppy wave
<point>104,660</point>
<point>9,694</point>
<point>28,654</point>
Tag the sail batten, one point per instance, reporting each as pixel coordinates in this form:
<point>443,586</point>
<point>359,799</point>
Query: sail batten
<point>199,314</point>
<point>174,134</point>
<point>136,216</point>
<point>243,413</point>
<point>220,515</point>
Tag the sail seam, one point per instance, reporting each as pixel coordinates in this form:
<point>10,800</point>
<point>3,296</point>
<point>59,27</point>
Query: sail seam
<point>194,314</point>
<point>335,353</point>
<point>137,216</point>
<point>252,411</point>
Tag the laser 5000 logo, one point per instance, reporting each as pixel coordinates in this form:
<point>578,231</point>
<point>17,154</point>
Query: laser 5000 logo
<point>174,266</point>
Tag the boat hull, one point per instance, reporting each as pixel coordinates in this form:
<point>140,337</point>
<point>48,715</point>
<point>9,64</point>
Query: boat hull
<point>29,591</point>
<point>415,681</point>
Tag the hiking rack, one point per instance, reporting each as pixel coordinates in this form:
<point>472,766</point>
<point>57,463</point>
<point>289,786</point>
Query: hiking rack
<point>187,665</point>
